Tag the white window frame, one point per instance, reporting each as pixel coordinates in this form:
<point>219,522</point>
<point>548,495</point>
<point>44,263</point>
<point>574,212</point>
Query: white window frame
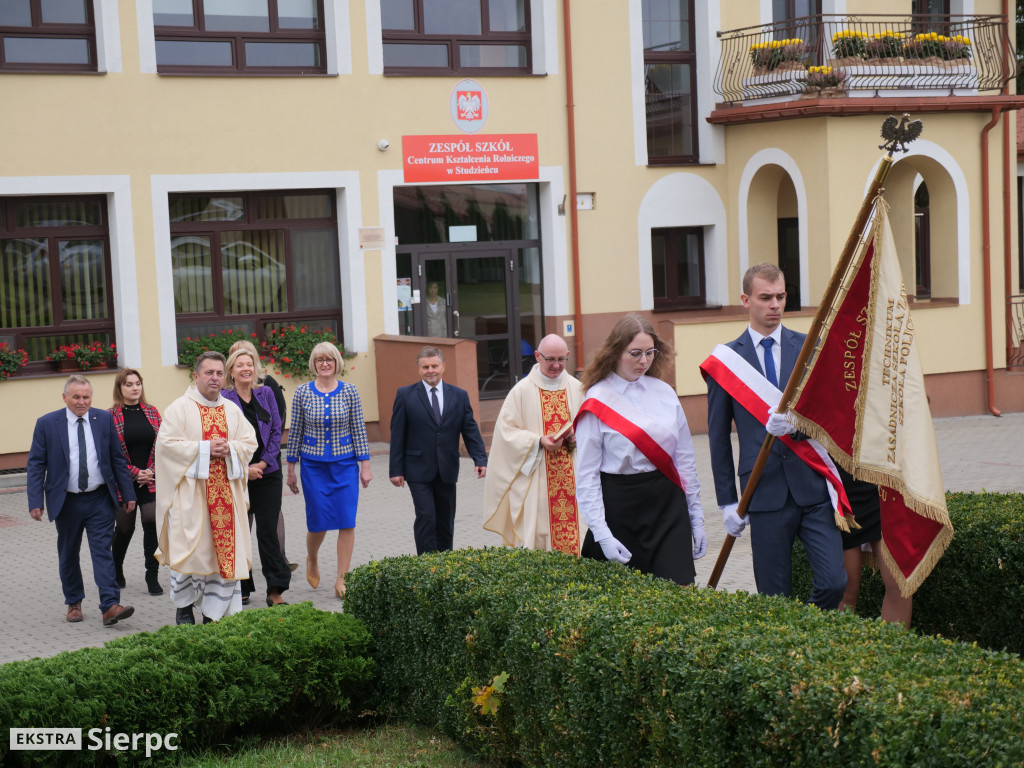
<point>352,266</point>
<point>710,138</point>
<point>544,40</point>
<point>124,284</point>
<point>554,256</point>
<point>684,199</point>
<point>337,27</point>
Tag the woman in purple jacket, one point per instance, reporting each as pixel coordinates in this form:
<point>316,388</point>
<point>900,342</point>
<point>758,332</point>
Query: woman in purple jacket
<point>245,382</point>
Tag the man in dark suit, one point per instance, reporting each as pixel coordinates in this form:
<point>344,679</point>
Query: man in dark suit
<point>77,463</point>
<point>791,499</point>
<point>426,423</point>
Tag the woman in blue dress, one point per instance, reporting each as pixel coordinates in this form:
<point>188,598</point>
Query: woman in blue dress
<point>328,434</point>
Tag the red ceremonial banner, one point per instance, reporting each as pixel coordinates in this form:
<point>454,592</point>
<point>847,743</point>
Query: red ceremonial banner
<point>864,399</point>
<point>498,157</point>
<point>837,369</point>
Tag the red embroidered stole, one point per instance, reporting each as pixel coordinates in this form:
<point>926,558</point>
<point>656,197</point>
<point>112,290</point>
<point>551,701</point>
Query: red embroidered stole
<point>219,500</point>
<point>562,509</point>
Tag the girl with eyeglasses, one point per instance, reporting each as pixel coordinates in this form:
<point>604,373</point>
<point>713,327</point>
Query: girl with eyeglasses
<point>637,485</point>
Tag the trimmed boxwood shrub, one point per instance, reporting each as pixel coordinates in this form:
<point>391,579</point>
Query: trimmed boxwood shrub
<point>592,664</point>
<point>976,591</point>
<point>251,673</point>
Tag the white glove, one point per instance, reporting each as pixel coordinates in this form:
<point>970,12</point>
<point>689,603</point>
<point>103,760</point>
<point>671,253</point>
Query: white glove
<point>779,424</point>
<point>734,524</point>
<point>700,539</point>
<point>614,551</point>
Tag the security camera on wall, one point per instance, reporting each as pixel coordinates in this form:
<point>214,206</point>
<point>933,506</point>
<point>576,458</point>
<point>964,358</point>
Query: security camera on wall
<point>383,144</point>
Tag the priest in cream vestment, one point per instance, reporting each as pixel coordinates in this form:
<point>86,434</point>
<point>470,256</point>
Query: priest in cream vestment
<point>530,492</point>
<point>202,459</point>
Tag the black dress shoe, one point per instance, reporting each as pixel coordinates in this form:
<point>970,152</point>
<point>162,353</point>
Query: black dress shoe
<point>184,616</point>
<point>271,602</point>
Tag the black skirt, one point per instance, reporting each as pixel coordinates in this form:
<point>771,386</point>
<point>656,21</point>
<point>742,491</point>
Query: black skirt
<point>867,511</point>
<point>647,512</point>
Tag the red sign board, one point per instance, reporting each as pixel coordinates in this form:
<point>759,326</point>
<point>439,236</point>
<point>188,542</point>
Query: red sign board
<point>499,157</point>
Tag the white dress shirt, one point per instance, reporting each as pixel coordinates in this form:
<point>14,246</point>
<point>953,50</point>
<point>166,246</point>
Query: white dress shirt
<point>92,459</point>
<point>440,395</point>
<point>599,448</point>
<point>776,336</point>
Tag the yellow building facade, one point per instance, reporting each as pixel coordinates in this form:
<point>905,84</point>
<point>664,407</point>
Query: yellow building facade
<point>175,168</point>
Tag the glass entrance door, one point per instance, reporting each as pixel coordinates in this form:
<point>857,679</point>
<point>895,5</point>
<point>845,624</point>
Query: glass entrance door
<point>480,311</point>
<point>470,294</point>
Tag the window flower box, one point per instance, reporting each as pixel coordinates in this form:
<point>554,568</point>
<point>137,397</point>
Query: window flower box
<point>11,360</point>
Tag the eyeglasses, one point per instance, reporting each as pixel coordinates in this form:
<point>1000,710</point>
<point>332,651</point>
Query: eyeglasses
<point>559,360</point>
<point>323,360</point>
<point>648,353</point>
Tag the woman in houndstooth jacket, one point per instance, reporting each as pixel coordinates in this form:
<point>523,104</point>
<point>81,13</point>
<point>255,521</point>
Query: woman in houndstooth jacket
<point>329,435</point>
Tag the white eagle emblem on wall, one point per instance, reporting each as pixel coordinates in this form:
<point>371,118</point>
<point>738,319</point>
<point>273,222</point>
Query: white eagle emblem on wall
<point>469,105</point>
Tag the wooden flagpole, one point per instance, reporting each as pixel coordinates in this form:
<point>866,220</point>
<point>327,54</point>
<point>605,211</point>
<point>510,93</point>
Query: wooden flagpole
<point>897,136</point>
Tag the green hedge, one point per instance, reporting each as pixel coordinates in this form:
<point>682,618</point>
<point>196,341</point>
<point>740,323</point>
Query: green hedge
<point>976,591</point>
<point>251,673</point>
<point>607,667</point>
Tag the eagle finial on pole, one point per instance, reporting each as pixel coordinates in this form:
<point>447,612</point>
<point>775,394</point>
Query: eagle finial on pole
<point>898,134</point>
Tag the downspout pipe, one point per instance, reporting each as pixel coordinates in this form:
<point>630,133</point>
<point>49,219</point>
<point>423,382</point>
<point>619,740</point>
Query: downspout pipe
<point>1008,175</point>
<point>1009,151</point>
<point>573,215</point>
<point>986,257</point>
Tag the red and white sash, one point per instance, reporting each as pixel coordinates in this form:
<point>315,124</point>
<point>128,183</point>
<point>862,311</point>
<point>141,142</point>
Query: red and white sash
<point>756,394</point>
<point>609,413</point>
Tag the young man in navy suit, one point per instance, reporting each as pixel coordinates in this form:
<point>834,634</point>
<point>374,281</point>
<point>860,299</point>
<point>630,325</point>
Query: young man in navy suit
<point>791,499</point>
<point>427,420</point>
<point>77,463</point>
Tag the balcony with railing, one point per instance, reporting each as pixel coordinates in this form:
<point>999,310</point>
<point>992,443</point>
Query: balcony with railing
<point>1015,332</point>
<point>815,57</point>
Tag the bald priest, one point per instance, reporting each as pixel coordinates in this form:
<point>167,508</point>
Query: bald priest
<point>530,491</point>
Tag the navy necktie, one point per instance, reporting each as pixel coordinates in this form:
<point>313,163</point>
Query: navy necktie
<point>435,405</point>
<point>769,361</point>
<point>83,457</point>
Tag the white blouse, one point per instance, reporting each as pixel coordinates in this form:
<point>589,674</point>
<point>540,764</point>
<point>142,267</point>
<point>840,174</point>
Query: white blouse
<point>599,448</point>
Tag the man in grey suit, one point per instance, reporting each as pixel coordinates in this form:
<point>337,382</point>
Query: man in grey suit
<point>428,418</point>
<point>76,462</point>
<point>791,499</point>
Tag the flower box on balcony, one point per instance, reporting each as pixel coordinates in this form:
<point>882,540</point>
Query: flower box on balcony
<point>834,92</point>
<point>779,83</point>
<point>911,78</point>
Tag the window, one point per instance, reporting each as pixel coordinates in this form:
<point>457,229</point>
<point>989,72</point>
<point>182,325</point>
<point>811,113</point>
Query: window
<point>1020,229</point>
<point>449,36</point>
<point>931,7</point>
<point>47,36</point>
<point>785,10</point>
<point>670,82</point>
<point>243,36</point>
<point>677,261</point>
<point>54,274</point>
<point>789,260</point>
<point>255,261</point>
<point>791,21</point>
<point>922,243</point>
